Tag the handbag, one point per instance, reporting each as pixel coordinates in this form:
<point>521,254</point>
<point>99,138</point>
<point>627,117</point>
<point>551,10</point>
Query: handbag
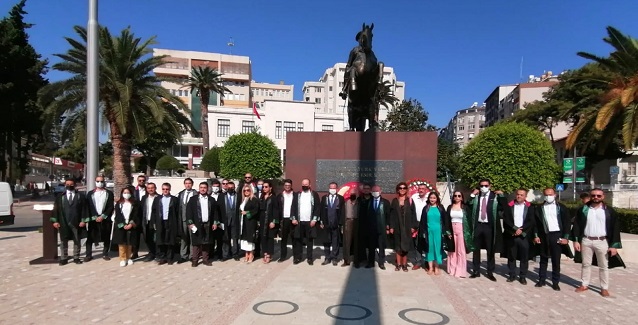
<point>448,244</point>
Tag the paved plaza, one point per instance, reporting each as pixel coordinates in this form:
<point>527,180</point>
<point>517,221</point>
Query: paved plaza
<point>282,293</point>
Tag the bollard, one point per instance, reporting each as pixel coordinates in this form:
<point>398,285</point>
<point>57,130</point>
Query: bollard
<point>49,236</point>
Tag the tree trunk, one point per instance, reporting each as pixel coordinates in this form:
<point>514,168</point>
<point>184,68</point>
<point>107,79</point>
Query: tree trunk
<point>121,159</point>
<point>204,100</point>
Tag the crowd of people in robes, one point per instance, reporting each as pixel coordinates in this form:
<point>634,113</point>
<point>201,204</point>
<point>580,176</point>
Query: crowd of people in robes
<point>223,220</point>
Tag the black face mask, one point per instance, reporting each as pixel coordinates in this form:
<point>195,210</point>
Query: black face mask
<point>305,188</point>
<point>353,197</point>
<point>70,187</point>
<point>231,191</point>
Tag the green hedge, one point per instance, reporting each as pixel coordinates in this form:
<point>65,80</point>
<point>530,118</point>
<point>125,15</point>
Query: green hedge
<point>628,217</point>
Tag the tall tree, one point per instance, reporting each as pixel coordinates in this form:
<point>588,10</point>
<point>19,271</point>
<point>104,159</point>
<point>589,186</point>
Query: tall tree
<point>619,111</point>
<point>21,77</point>
<point>203,81</point>
<point>409,116</point>
<point>128,91</point>
<point>385,96</point>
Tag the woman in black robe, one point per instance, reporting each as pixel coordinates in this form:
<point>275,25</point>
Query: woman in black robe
<point>126,220</point>
<point>249,222</point>
<point>402,225</point>
<point>268,220</point>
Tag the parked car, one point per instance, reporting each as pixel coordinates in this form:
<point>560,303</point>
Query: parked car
<point>110,184</point>
<point>7,217</point>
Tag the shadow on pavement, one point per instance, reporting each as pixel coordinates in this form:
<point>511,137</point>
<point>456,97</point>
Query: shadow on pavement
<point>12,237</point>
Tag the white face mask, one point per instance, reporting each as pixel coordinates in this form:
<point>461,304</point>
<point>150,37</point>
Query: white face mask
<point>332,191</point>
<point>126,196</point>
<point>550,198</point>
<point>376,194</point>
<point>484,189</point>
<point>99,184</point>
<point>215,189</point>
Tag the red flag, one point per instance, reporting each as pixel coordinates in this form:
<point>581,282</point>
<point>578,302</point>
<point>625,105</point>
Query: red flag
<point>255,110</point>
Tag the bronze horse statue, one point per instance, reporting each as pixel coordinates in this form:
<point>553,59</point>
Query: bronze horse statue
<point>361,82</point>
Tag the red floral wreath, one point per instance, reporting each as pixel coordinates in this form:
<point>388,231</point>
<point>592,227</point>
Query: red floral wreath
<point>413,186</point>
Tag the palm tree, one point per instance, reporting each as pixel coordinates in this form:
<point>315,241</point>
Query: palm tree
<point>385,96</point>
<point>203,81</point>
<point>128,91</point>
<point>619,111</point>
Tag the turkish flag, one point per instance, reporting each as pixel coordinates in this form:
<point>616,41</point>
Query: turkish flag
<point>255,110</point>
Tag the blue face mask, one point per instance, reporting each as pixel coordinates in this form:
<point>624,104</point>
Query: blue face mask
<point>259,187</point>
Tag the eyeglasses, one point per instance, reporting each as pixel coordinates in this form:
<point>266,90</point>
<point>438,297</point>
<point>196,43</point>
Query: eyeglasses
<point>457,195</point>
<point>403,188</point>
<point>266,186</point>
<point>224,183</point>
<point>484,185</point>
<point>248,177</point>
<point>596,195</point>
<point>166,189</point>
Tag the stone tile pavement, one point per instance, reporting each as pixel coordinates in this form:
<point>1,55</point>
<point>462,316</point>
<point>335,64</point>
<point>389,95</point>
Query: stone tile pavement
<point>238,293</point>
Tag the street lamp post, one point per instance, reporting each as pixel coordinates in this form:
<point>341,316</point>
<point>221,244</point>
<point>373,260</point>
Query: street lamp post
<point>92,97</point>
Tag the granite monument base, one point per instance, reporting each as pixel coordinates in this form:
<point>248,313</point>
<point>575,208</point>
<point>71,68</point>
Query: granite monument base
<point>382,158</point>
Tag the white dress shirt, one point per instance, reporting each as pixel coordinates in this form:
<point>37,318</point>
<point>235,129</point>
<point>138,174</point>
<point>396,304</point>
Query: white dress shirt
<point>288,197</point>
<point>149,206</point>
<point>99,200</point>
<point>126,211</point>
<point>596,226</point>
<point>551,217</point>
<point>70,195</point>
<point>166,202</point>
<point>187,195</point>
<point>519,211</point>
<point>305,206</point>
<point>203,201</point>
<point>141,192</point>
<point>419,204</point>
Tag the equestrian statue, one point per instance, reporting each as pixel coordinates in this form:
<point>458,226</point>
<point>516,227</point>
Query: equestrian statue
<point>362,83</point>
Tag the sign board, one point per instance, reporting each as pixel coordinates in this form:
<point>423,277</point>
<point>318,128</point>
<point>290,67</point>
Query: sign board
<point>614,170</point>
<point>384,173</point>
<point>580,170</point>
<point>560,187</point>
<point>568,170</point>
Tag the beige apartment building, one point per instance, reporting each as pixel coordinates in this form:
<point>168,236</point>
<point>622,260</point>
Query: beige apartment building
<point>465,125</point>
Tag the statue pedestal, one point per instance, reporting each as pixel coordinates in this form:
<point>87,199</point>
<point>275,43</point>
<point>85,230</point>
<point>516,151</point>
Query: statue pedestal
<point>49,237</point>
<point>382,158</point>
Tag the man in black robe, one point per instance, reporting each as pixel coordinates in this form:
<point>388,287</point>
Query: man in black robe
<point>68,211</point>
<point>229,218</point>
<point>201,215</point>
<point>166,225</point>
<point>519,220</point>
<point>332,211</point>
<point>151,211</point>
<point>100,203</point>
<point>374,227</point>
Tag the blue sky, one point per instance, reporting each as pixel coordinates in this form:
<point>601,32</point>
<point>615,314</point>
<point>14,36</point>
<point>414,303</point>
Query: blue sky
<point>449,53</point>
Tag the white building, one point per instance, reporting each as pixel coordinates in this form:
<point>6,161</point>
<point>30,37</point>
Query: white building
<point>324,94</point>
<point>277,118</point>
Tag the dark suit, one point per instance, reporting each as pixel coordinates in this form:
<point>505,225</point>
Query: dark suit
<point>268,214</point>
<point>202,239</point>
<point>99,232</point>
<point>486,234</point>
<point>285,224</point>
<point>69,214</point>
<point>229,218</point>
<point>167,228</point>
<point>332,217</point>
<point>185,234</point>
<point>304,230</point>
<point>136,244</point>
<point>374,220</point>
<point>148,224</point>
<point>549,246</point>
<point>517,247</point>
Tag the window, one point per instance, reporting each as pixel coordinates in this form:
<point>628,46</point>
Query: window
<point>470,119</point>
<point>317,100</point>
<point>247,126</point>
<point>471,126</point>
<point>318,89</point>
<point>223,128</point>
<point>461,127</point>
<point>278,130</point>
<point>327,128</point>
<point>300,126</point>
<point>631,169</point>
<point>341,84</point>
<point>330,88</point>
<point>307,99</point>
<point>242,97</point>
<point>289,127</point>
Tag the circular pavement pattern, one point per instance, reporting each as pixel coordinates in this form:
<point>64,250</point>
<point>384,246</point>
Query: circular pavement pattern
<point>367,312</point>
<point>295,307</point>
<point>402,315</point>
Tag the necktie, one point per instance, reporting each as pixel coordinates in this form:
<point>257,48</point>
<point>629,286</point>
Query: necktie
<point>332,200</point>
<point>186,196</point>
<point>484,209</point>
<point>376,204</point>
<point>70,196</point>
